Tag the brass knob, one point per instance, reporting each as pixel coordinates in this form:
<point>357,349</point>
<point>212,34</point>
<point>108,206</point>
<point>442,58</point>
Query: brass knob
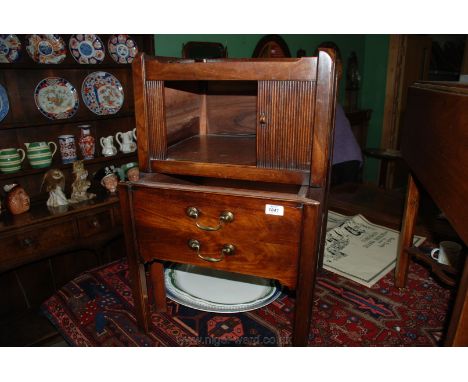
<point>262,118</point>
<point>228,249</point>
<point>226,216</point>
<point>192,212</point>
<point>194,244</point>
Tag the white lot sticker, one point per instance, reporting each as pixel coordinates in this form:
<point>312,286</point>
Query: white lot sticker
<point>271,209</point>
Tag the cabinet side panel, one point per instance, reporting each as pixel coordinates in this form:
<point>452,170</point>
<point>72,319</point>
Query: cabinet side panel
<point>285,124</point>
<point>183,107</point>
<point>156,125</point>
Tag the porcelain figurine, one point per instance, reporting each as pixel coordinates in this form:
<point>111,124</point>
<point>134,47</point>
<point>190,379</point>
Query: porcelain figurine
<point>131,171</point>
<point>54,181</point>
<point>107,144</point>
<point>80,184</point>
<point>108,178</point>
<point>17,200</point>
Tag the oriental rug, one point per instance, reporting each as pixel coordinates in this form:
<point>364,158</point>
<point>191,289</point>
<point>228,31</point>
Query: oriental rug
<point>96,309</point>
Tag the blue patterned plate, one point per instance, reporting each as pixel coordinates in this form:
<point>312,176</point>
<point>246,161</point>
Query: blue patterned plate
<point>10,48</point>
<point>122,48</point>
<point>86,48</point>
<point>102,93</point>
<point>46,48</point>
<point>4,104</point>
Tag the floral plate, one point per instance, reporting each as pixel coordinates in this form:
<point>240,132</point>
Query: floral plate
<point>4,104</point>
<point>211,290</point>
<point>122,48</point>
<point>102,93</point>
<point>46,48</point>
<point>86,48</point>
<point>10,48</point>
<point>56,98</point>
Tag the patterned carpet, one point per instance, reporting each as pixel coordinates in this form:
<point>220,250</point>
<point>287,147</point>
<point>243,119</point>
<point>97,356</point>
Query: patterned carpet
<point>96,309</point>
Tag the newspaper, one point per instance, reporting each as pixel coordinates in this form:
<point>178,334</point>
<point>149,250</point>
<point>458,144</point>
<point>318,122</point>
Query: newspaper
<point>360,250</point>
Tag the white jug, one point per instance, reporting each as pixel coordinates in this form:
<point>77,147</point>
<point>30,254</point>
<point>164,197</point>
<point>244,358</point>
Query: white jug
<point>125,141</point>
<point>108,148</point>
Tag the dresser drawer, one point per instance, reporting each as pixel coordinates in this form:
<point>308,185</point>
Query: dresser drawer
<point>265,244</point>
<point>30,243</point>
<point>94,224</point>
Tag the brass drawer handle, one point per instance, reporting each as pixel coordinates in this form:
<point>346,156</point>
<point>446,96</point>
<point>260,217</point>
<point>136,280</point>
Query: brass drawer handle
<point>225,217</point>
<point>228,249</point>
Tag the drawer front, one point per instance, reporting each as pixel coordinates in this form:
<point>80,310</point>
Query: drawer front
<point>265,245</point>
<point>95,224</point>
<point>30,244</point>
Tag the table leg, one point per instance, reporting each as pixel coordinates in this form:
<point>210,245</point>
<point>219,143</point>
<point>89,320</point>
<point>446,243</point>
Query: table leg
<point>406,234</point>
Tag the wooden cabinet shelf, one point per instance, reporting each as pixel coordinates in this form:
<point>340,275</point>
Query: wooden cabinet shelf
<point>227,149</point>
<point>89,119</point>
<point>34,171</point>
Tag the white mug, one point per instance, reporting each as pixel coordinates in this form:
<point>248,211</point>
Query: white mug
<point>447,253</point>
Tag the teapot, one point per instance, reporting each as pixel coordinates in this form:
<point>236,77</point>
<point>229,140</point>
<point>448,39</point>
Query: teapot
<point>10,160</point>
<point>126,143</point>
<point>39,153</point>
<point>108,148</point>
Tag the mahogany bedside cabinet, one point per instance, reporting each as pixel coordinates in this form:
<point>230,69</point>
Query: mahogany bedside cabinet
<point>234,157</point>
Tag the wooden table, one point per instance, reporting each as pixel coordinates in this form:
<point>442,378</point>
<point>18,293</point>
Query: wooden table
<point>434,146</point>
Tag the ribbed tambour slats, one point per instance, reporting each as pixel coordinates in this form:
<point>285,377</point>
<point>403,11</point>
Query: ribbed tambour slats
<point>156,119</point>
<point>284,140</point>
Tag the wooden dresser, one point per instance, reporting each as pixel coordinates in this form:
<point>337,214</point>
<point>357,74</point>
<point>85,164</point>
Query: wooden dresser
<point>235,156</point>
<point>40,233</point>
<point>43,249</point>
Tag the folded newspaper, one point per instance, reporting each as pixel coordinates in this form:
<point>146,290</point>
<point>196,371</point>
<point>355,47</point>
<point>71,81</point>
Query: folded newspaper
<point>360,250</point>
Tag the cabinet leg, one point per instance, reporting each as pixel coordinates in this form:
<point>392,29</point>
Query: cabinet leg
<point>135,267</point>
<point>159,289</point>
<point>406,234</point>
<point>310,244</point>
<point>140,296</point>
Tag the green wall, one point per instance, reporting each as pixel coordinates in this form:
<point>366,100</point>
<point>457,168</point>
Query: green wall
<point>374,79</point>
<point>371,51</point>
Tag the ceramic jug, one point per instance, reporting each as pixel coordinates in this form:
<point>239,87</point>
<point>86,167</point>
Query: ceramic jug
<point>134,134</point>
<point>107,144</point>
<point>125,141</point>
<point>39,153</point>
<point>10,160</point>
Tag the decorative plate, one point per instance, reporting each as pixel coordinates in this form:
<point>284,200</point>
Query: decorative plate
<point>46,48</point>
<point>86,48</point>
<point>56,98</point>
<point>10,48</point>
<point>211,290</point>
<point>122,48</point>
<point>4,104</point>
<point>102,93</point>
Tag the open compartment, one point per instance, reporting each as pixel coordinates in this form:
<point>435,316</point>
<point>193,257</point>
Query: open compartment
<point>211,121</point>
